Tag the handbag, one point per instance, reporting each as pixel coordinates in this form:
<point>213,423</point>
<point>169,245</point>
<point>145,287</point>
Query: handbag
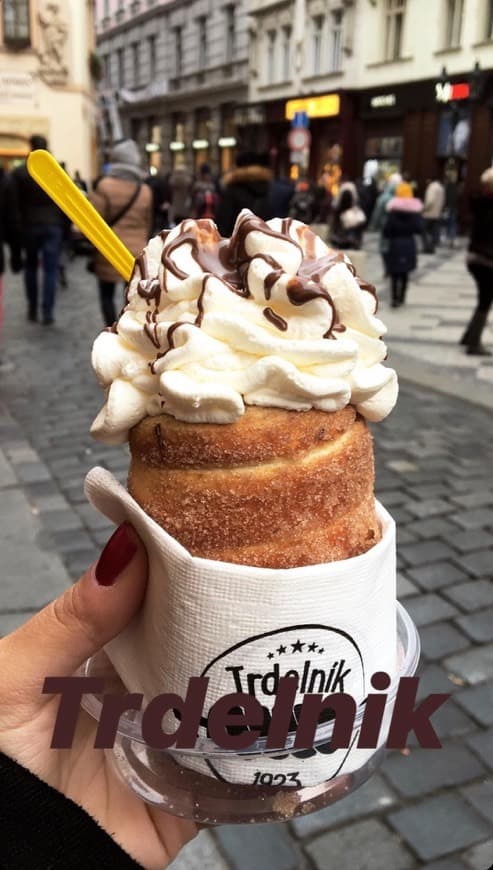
<point>353,218</point>
<point>90,265</point>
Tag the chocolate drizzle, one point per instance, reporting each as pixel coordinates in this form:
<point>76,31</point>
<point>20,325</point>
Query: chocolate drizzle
<point>150,327</point>
<point>275,319</point>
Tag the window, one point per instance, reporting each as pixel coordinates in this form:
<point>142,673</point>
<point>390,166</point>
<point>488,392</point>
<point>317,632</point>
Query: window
<point>318,27</point>
<point>120,57</point>
<point>230,33</point>
<point>16,23</point>
<point>178,51</point>
<point>271,56</point>
<point>453,23</point>
<point>151,43</point>
<point>335,57</point>
<point>136,63</point>
<point>394,26</point>
<point>489,20</point>
<point>202,28</point>
<point>107,69</point>
<point>286,53</point>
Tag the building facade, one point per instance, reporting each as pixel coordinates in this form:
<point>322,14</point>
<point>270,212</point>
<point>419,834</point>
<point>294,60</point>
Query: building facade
<point>174,74</point>
<point>47,66</point>
<point>408,83</point>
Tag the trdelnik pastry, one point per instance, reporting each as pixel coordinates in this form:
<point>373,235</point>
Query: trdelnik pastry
<point>270,317</point>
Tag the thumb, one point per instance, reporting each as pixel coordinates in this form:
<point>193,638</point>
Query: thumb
<point>58,639</point>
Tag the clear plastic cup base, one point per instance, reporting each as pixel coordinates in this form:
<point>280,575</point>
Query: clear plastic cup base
<point>158,777</point>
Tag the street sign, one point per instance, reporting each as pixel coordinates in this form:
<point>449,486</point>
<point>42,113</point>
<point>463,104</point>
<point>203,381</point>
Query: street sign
<point>299,139</point>
<point>300,120</point>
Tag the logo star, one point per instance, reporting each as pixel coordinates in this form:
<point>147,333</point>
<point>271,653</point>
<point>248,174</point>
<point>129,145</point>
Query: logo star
<point>298,646</point>
<point>281,650</point>
<point>270,655</point>
<point>312,647</point>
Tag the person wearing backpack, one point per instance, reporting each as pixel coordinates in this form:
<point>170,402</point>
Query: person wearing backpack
<point>302,207</point>
<point>204,196</point>
<point>125,202</point>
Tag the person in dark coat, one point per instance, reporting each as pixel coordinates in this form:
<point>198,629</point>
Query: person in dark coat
<point>480,263</point>
<point>348,219</point>
<point>42,225</point>
<point>247,186</point>
<point>281,194</point>
<point>402,224</point>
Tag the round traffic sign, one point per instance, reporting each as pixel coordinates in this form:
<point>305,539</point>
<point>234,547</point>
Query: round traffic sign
<point>299,139</point>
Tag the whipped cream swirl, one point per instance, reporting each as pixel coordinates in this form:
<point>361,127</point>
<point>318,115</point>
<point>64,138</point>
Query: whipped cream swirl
<point>269,317</point>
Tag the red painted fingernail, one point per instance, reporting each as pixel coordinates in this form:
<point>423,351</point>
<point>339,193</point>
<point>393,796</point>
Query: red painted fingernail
<point>117,554</point>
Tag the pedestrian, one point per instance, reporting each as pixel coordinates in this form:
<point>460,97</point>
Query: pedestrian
<point>41,224</point>
<point>348,219</point>
<point>9,235</point>
<point>79,181</point>
<point>402,223</point>
<point>368,188</point>
<point>180,185</point>
<point>302,206</point>
<point>246,186</point>
<point>480,263</point>
<point>161,199</point>
<point>379,216</point>
<point>451,204</point>
<point>125,202</point>
<point>280,196</point>
<point>204,196</point>
<point>432,213</point>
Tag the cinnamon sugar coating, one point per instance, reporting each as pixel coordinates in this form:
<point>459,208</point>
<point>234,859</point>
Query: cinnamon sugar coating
<point>275,489</point>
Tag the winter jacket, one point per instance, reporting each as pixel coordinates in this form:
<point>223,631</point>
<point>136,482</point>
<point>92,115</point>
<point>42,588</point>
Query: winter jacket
<point>434,200</point>
<point>245,187</point>
<point>403,222</point>
<point>134,227</point>
<point>481,240</point>
<point>34,206</point>
<point>10,233</point>
<point>340,236</point>
<point>180,184</point>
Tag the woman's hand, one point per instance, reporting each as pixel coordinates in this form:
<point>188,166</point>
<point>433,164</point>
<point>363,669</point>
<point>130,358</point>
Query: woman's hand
<point>56,642</point>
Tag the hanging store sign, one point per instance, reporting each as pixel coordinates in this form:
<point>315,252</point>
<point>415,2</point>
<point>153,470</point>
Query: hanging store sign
<point>446,92</point>
<point>200,144</point>
<point>383,101</point>
<point>325,106</point>
<point>227,142</point>
<point>176,146</point>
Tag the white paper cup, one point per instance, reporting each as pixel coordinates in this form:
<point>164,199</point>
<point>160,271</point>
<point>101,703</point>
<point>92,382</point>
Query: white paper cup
<point>333,625</point>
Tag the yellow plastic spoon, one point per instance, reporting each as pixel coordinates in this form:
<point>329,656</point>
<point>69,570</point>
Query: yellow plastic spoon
<point>43,167</point>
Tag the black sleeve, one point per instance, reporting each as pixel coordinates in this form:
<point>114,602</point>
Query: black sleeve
<point>227,212</point>
<point>42,829</point>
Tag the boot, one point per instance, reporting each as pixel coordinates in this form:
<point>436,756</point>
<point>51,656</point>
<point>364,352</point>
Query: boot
<point>472,335</point>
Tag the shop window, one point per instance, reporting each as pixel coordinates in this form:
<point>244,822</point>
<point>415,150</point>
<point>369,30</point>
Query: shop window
<point>230,33</point>
<point>202,31</point>
<point>335,55</point>
<point>286,53</point>
<point>178,32</point>
<point>151,46</point>
<point>453,23</point>
<point>16,32</point>
<point>394,27</point>
<point>489,19</point>
<point>271,56</point>
<point>135,49</point>
<point>318,29</point>
<point>121,67</point>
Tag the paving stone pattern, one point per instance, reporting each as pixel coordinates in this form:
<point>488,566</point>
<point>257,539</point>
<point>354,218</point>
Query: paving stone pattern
<point>434,458</point>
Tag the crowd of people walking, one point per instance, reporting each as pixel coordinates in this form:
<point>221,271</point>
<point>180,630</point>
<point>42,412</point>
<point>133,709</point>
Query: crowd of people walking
<point>137,205</point>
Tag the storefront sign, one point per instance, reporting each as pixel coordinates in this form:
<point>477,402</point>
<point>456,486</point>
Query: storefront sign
<point>227,142</point>
<point>325,106</point>
<point>381,101</point>
<point>446,92</point>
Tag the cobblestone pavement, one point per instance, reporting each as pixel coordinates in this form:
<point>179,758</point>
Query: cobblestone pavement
<point>434,471</point>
